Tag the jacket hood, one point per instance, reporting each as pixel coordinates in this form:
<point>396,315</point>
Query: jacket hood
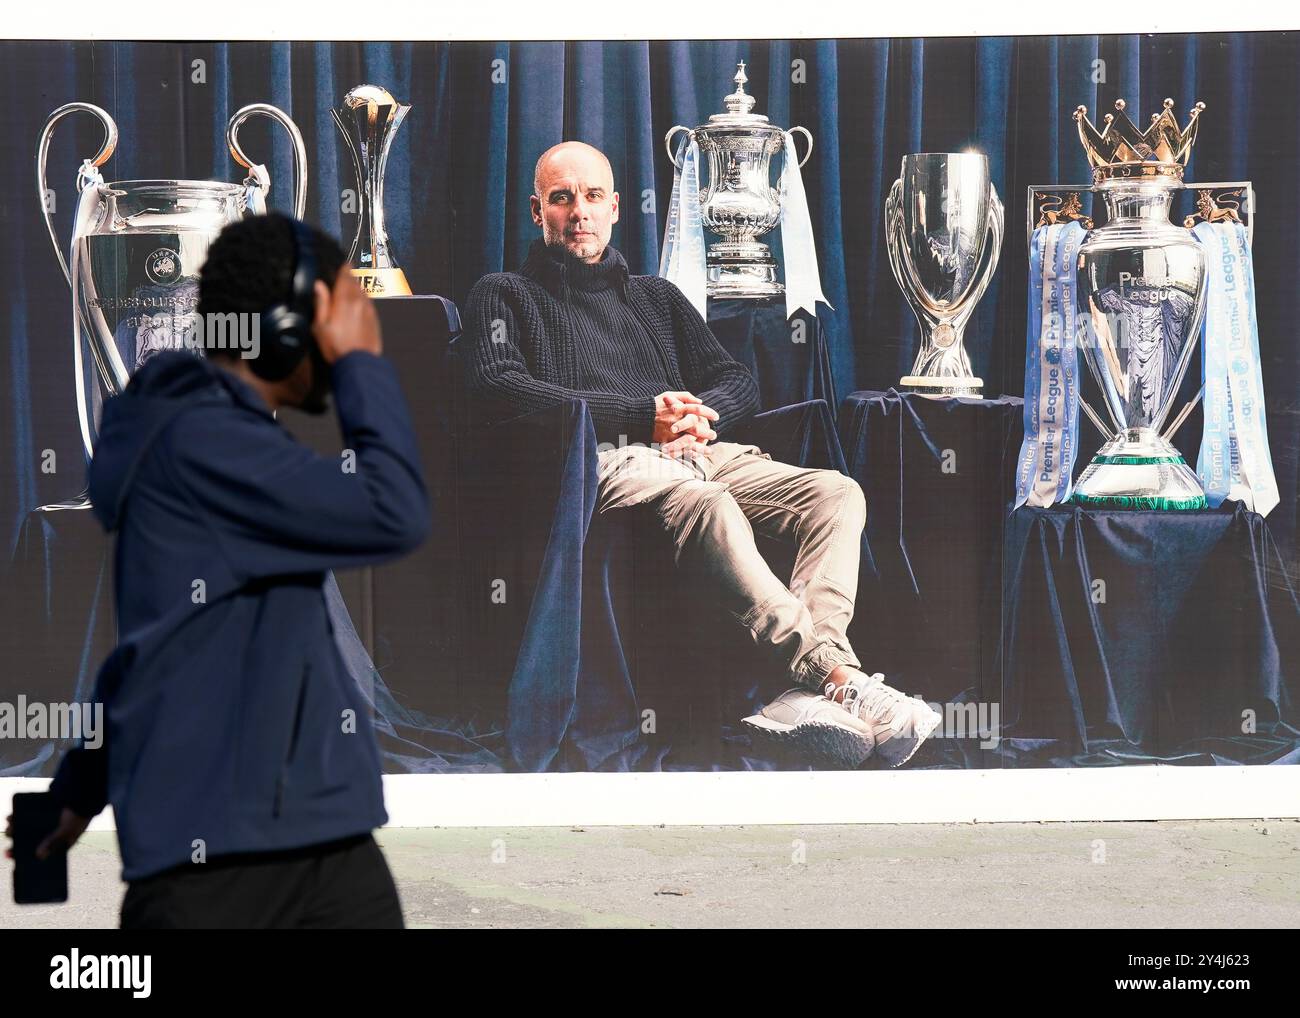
<point>169,383</point>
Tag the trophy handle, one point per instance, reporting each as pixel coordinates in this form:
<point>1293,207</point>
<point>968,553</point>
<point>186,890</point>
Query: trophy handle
<point>668,144</point>
<point>993,246</point>
<point>87,175</point>
<point>258,180</point>
<point>896,246</point>
<point>807,134</point>
<point>360,171</point>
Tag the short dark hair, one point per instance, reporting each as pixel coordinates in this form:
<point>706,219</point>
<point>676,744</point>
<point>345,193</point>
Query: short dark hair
<point>249,267</point>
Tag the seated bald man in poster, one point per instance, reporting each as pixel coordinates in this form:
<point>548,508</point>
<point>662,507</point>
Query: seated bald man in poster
<point>665,396</point>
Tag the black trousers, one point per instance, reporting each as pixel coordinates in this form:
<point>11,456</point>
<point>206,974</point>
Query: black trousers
<point>338,885</point>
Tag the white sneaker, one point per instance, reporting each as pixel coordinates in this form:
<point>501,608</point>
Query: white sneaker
<point>815,726</point>
<point>899,723</point>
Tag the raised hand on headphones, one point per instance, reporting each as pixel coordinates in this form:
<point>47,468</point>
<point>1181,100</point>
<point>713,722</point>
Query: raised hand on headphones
<point>345,319</point>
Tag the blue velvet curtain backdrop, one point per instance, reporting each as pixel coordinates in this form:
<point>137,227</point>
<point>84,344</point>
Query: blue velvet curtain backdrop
<point>460,172</point>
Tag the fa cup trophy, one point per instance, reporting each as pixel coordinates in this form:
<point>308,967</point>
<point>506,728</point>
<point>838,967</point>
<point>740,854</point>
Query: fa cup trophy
<point>943,229</point>
<point>739,204</point>
<point>137,247</point>
<point>368,120</point>
<point>1141,291</point>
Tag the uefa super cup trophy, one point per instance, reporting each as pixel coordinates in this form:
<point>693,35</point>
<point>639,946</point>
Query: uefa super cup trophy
<point>739,203</point>
<point>137,247</point>
<point>368,120</point>
<point>943,229</point>
<point>1141,296</point>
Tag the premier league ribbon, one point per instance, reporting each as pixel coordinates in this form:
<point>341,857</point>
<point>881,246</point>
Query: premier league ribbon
<point>803,284</point>
<point>1234,461</point>
<point>1046,464</point>
<point>682,262</point>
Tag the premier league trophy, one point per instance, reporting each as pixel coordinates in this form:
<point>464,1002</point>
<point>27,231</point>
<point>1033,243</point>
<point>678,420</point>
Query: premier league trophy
<point>137,247</point>
<point>1135,296</point>
<point>368,120</point>
<point>1141,293</point>
<point>943,229</point>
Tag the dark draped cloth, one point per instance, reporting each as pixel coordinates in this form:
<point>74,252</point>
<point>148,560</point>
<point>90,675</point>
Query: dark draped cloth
<point>789,358</point>
<point>936,473</point>
<point>1147,637</point>
<point>56,602</point>
<point>574,625</point>
<point>59,626</point>
<point>1102,637</point>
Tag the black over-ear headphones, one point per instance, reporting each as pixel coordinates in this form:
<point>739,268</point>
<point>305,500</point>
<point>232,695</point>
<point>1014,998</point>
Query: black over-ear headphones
<point>286,327</point>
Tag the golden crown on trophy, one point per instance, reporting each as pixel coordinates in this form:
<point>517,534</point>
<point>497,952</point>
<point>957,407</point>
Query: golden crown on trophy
<point>1119,149</point>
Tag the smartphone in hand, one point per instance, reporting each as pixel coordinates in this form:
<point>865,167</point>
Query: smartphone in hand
<point>37,882</point>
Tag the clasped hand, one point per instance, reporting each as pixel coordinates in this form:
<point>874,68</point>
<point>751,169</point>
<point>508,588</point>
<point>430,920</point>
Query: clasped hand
<point>682,424</point>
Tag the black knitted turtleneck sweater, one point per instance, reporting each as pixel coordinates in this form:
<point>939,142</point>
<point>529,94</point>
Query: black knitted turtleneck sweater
<point>561,329</point>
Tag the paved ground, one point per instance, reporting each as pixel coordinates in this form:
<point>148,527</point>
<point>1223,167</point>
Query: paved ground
<point>1185,874</point>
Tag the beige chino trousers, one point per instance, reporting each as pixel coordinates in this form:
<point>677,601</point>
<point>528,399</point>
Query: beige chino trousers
<point>712,505</point>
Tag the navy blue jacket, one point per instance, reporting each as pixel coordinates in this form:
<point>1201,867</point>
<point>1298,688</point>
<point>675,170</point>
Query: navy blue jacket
<point>231,718</point>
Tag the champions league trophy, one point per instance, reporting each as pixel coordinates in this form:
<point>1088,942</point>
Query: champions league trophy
<point>368,120</point>
<point>739,204</point>
<point>137,247</point>
<point>943,229</point>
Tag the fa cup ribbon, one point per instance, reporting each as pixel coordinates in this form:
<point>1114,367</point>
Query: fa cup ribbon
<point>1046,465</point>
<point>1234,461</point>
<point>803,284</point>
<point>682,262</point>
